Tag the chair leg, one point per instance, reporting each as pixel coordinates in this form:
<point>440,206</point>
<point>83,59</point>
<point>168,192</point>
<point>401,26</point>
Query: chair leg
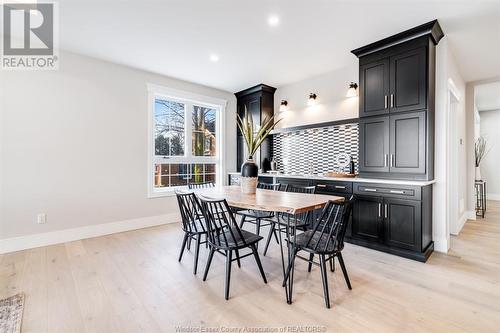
<point>189,243</point>
<point>344,270</point>
<point>257,259</point>
<point>238,258</point>
<point>324,277</point>
<point>243,217</point>
<point>229,255</point>
<point>257,229</point>
<point>209,261</point>
<point>184,241</point>
<point>196,253</point>
<point>332,264</point>
<point>271,231</point>
<point>311,258</point>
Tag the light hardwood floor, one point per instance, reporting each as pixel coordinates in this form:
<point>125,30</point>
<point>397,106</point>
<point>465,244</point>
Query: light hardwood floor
<point>132,282</point>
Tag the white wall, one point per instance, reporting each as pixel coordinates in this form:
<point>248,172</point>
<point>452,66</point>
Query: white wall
<point>490,124</point>
<point>74,145</point>
<point>330,88</point>
<point>446,69</point>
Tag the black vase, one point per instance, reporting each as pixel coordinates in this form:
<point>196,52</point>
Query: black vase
<point>249,176</point>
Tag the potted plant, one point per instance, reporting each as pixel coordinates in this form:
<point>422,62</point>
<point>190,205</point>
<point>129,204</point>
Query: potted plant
<point>253,140</point>
<point>481,151</point>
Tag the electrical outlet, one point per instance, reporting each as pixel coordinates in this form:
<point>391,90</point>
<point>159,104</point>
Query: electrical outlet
<point>41,218</point>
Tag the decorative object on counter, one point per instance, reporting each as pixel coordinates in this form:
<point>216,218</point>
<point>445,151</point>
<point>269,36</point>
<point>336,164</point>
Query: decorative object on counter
<point>253,137</point>
<point>273,164</point>
<point>342,160</point>
<point>293,150</point>
<point>353,90</point>
<point>283,106</point>
<point>352,169</point>
<point>312,99</point>
<point>481,150</point>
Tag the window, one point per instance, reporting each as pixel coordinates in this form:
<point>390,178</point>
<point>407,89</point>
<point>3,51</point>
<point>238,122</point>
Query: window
<point>185,139</point>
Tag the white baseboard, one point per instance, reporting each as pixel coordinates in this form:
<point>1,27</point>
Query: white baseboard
<point>441,245</point>
<point>493,196</point>
<point>471,215</point>
<point>461,223</point>
<point>68,235</point>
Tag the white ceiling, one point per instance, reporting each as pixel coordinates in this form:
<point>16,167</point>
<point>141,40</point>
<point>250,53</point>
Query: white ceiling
<point>487,96</point>
<point>177,38</point>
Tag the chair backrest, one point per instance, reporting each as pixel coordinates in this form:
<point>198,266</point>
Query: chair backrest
<point>329,232</point>
<point>191,212</point>
<point>301,189</point>
<point>274,187</point>
<point>222,226</point>
<point>193,186</point>
<point>304,217</point>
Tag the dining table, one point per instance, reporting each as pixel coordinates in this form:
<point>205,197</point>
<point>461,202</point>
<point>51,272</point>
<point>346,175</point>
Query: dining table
<point>289,204</point>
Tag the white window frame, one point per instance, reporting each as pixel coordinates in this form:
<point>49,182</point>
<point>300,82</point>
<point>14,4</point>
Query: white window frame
<point>189,99</point>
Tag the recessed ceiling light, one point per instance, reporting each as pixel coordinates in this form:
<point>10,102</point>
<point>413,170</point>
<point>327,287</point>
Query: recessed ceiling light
<point>273,20</point>
<point>214,58</point>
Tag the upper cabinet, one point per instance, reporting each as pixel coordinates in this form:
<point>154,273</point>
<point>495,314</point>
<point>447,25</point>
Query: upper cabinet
<point>396,104</point>
<point>259,102</point>
<point>394,83</point>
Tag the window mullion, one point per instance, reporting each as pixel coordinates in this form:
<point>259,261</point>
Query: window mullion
<point>188,129</point>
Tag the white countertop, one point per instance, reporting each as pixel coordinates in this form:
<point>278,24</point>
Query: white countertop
<point>354,180</point>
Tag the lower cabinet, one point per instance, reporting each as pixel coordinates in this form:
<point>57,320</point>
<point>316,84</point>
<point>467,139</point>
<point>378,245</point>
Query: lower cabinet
<point>367,218</point>
<point>402,223</point>
<point>393,219</point>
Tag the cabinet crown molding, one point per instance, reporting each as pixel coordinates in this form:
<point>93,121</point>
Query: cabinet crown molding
<point>431,29</point>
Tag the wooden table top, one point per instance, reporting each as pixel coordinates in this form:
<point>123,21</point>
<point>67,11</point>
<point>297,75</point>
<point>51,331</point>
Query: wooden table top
<point>269,200</point>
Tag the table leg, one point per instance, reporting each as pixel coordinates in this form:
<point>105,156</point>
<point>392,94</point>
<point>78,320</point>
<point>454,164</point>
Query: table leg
<point>282,260</point>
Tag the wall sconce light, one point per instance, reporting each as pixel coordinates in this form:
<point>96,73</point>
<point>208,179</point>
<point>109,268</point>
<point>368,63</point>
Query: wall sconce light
<point>283,106</point>
<point>312,99</point>
<point>353,90</point>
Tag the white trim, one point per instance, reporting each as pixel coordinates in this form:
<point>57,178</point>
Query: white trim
<point>471,215</point>
<point>461,223</point>
<point>181,94</point>
<point>493,196</point>
<point>441,245</point>
<point>69,235</point>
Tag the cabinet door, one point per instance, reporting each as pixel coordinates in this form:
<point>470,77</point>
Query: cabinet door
<point>367,218</point>
<point>374,88</point>
<point>402,226</point>
<point>408,81</point>
<point>374,144</point>
<point>407,143</point>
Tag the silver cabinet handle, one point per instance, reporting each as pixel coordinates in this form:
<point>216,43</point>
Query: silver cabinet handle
<point>385,102</point>
<point>386,211</point>
<point>321,185</point>
<point>386,157</point>
<point>397,192</point>
<point>370,190</point>
<point>379,210</point>
<point>392,100</point>
<point>392,160</point>
<point>340,187</point>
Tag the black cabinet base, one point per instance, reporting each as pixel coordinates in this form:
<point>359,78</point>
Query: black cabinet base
<point>418,256</point>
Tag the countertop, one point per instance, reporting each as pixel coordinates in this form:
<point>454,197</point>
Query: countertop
<point>354,180</point>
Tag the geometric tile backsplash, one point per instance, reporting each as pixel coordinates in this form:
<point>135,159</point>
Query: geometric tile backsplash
<point>314,150</point>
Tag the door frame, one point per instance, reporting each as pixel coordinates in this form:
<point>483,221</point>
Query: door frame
<point>452,93</point>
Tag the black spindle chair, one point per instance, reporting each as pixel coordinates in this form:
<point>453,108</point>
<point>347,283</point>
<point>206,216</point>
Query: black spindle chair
<point>256,216</point>
<point>194,186</point>
<point>225,236</point>
<point>193,223</point>
<point>284,220</point>
<point>326,240</point>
